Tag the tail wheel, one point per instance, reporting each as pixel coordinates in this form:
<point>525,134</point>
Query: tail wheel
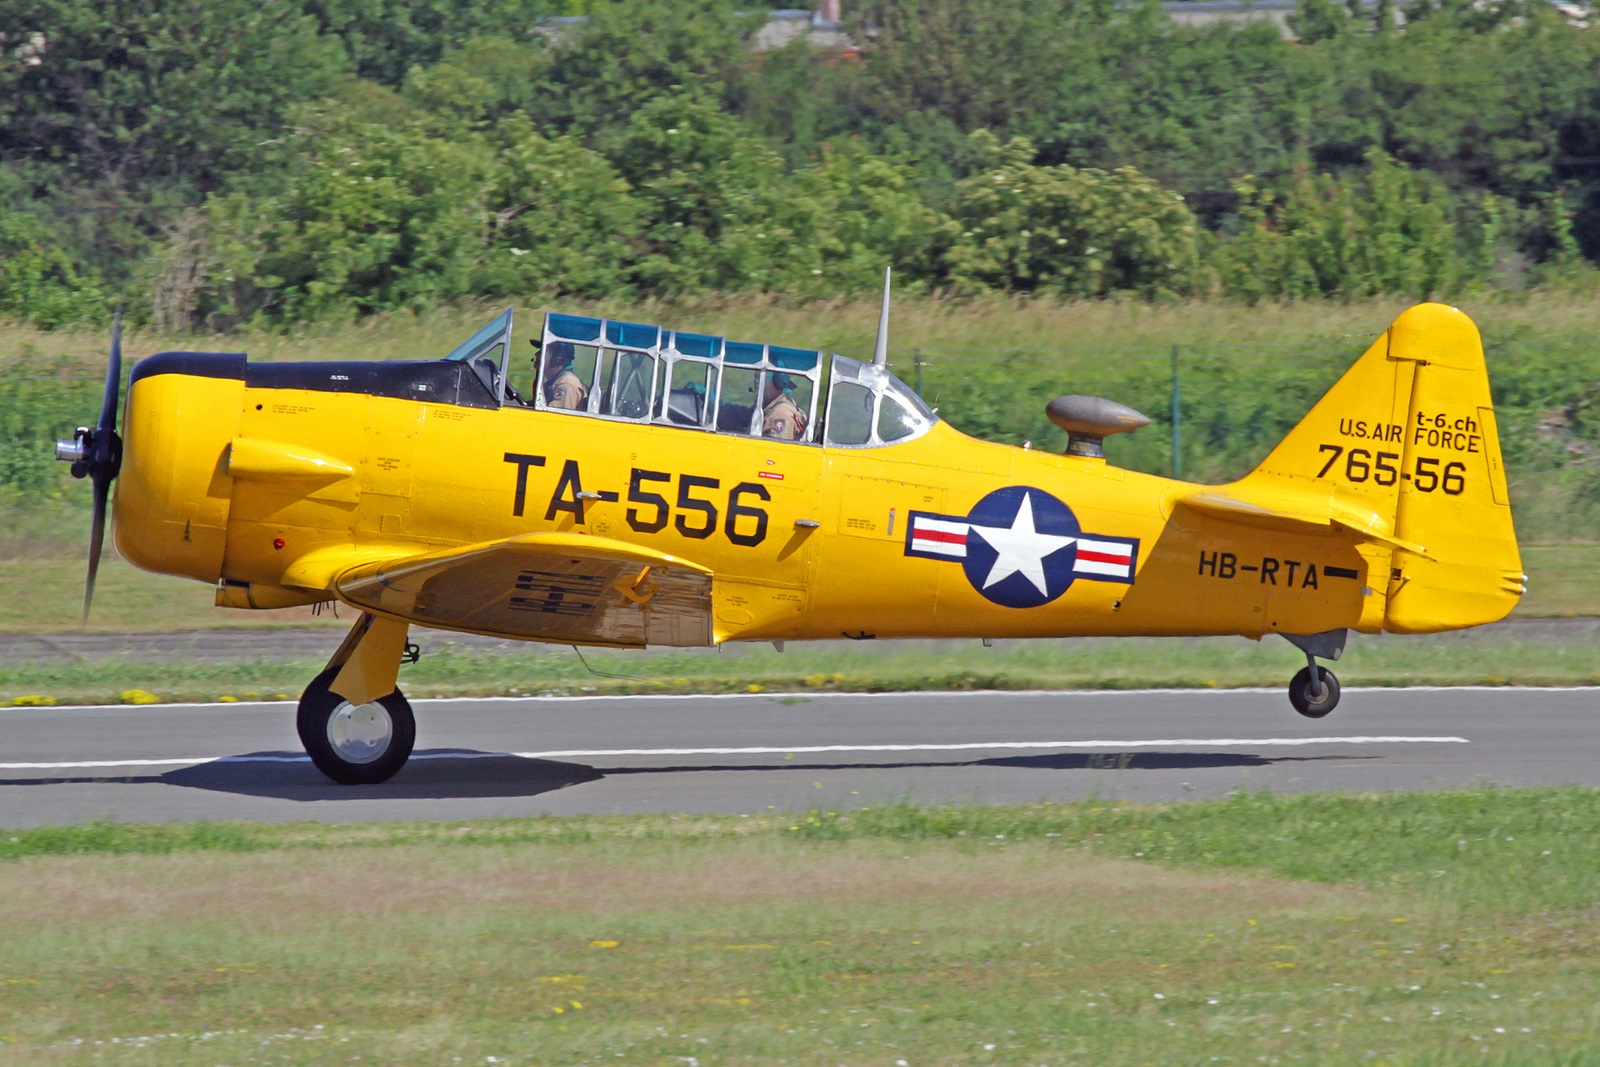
<point>1304,698</point>
<point>355,744</point>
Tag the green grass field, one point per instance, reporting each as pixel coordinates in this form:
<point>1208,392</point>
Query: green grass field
<point>988,323</point>
<point>1442,928</point>
<point>1100,663</point>
<point>128,600</point>
<point>1403,929</point>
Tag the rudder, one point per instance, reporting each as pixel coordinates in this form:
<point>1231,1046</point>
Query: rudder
<point>1453,497</point>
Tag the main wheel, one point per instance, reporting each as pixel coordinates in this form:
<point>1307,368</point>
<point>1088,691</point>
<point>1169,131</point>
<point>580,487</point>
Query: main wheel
<point>1300,693</point>
<point>355,744</point>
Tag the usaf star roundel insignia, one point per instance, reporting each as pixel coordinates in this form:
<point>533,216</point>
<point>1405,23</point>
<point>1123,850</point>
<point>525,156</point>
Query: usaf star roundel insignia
<point>1021,547</point>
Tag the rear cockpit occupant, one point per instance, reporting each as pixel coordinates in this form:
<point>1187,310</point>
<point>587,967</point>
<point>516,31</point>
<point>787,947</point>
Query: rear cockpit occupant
<point>781,417</point>
<point>562,388</point>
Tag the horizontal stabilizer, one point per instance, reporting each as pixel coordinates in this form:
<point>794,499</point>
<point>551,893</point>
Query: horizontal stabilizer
<point>1315,514</point>
<point>563,587</point>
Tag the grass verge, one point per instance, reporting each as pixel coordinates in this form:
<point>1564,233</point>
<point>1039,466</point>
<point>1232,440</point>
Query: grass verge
<point>1088,663</point>
<point>1402,929</point>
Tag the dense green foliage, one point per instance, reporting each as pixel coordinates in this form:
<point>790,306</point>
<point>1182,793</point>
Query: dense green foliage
<point>213,163</point>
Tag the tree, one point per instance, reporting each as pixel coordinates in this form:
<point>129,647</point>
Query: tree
<point>707,189</point>
<point>1392,229</point>
<point>134,92</point>
<point>629,53</point>
<point>1069,231</point>
<point>364,217</point>
<point>562,220</point>
<point>39,283</point>
<point>387,39</point>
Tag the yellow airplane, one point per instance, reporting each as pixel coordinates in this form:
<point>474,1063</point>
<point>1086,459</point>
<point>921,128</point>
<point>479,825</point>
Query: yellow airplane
<point>626,485</point>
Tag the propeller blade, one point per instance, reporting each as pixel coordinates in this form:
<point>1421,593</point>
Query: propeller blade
<point>97,536</point>
<point>103,459</point>
<point>108,405</point>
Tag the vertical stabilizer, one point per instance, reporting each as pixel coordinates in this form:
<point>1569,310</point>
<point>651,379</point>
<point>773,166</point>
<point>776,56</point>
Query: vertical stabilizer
<point>1453,499</point>
<point>1404,450</point>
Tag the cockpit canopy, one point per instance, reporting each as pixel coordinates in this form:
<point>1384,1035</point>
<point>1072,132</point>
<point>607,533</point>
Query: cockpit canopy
<point>603,368</point>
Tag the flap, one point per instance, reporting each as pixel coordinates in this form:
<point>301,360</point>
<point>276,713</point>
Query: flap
<point>563,587</point>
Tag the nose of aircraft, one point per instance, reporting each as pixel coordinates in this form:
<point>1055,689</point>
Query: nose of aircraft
<point>174,494</point>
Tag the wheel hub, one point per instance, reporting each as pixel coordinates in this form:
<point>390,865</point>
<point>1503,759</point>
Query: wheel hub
<point>360,733</point>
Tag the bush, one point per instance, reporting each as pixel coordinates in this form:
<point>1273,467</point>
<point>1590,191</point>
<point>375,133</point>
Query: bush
<point>1388,230</point>
<point>708,188</point>
<point>39,284</point>
<point>1069,231</point>
<point>562,220</point>
<point>368,217</point>
<point>839,222</point>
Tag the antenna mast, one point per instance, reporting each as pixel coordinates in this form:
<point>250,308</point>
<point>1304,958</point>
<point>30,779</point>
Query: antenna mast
<point>880,351</point>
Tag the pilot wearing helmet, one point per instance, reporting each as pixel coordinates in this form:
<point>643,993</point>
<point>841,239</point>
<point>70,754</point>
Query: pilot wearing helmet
<point>781,417</point>
<point>562,388</point>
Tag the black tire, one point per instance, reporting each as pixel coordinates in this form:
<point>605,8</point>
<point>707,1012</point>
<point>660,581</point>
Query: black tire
<point>1300,693</point>
<point>324,719</point>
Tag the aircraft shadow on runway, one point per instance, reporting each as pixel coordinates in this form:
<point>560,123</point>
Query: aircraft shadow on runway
<point>442,774</point>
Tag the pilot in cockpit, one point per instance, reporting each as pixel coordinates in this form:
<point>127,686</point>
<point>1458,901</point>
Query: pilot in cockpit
<point>781,417</point>
<point>562,388</point>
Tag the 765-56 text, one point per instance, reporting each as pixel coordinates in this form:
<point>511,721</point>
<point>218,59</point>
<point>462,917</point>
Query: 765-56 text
<point>1428,474</point>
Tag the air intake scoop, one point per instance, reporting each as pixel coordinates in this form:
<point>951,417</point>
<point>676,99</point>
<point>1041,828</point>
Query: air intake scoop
<point>1088,419</point>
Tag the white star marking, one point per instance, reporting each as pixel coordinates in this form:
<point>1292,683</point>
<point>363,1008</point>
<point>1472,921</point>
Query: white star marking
<point>1021,549</point>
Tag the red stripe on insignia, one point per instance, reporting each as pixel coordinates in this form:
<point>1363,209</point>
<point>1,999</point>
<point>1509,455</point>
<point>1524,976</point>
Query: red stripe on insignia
<point>1102,557</point>
<point>774,475</point>
<point>924,534</point>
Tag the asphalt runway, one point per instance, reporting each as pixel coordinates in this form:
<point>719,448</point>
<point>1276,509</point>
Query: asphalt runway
<point>751,754</point>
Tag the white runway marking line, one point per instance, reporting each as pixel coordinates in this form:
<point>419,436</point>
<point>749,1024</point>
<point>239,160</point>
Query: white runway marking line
<point>767,750</point>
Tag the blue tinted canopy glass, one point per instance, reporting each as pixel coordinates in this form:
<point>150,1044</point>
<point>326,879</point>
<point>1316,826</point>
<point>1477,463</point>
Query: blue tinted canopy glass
<point>792,358</point>
<point>632,335</point>
<point>743,352</point>
<point>697,344</point>
<point>574,327</point>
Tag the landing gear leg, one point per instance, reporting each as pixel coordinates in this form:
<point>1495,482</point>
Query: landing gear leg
<point>354,722</point>
<point>1314,691</point>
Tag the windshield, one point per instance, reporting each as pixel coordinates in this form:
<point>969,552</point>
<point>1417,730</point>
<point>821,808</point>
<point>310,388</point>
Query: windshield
<point>486,353</point>
<point>869,407</point>
<point>485,341</point>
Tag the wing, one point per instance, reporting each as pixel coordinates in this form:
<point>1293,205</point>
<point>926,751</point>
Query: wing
<point>547,587</point>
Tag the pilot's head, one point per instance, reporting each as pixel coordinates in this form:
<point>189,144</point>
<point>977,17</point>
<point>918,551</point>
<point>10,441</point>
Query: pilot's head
<point>558,357</point>
<point>777,385</point>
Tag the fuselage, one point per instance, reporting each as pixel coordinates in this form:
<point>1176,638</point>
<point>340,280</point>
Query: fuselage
<point>236,472</point>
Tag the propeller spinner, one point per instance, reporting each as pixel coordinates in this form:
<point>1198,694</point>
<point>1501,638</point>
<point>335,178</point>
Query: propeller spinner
<point>96,454</point>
